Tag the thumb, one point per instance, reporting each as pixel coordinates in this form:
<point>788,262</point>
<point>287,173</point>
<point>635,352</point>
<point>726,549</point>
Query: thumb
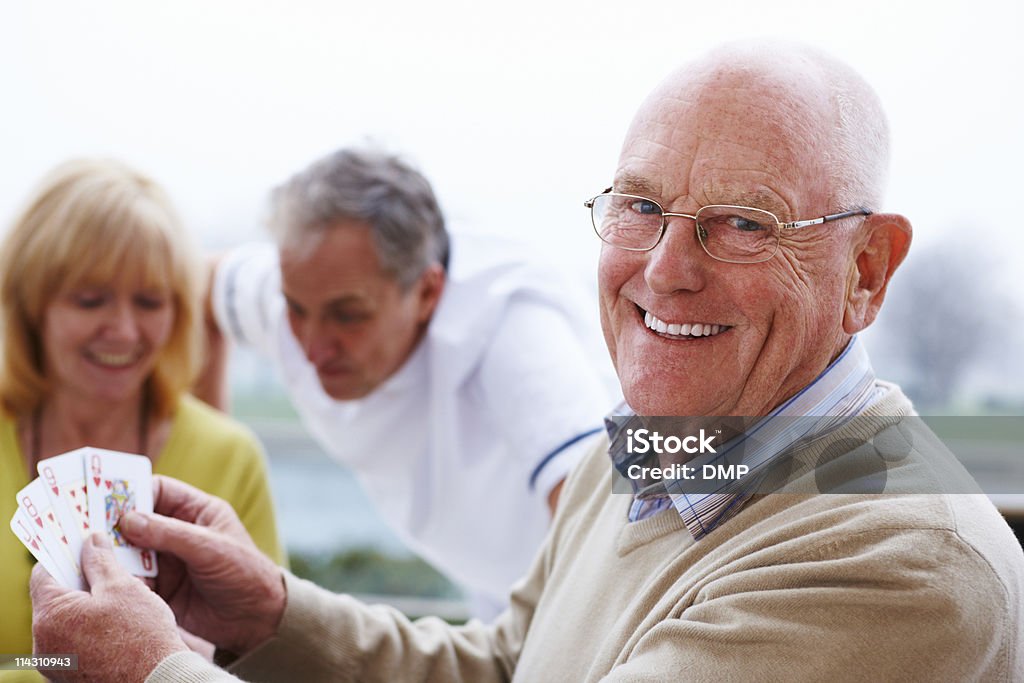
<point>195,545</point>
<point>99,565</point>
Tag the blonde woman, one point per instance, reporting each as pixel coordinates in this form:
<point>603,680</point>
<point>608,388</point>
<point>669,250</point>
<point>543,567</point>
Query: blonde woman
<point>101,318</point>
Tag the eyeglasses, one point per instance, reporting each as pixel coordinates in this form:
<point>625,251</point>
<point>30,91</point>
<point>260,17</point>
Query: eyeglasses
<point>734,234</point>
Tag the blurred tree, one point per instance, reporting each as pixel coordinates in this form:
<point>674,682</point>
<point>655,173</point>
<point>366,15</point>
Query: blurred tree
<point>367,570</point>
<point>945,315</point>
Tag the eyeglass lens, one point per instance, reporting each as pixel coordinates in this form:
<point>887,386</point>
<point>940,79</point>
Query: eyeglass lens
<point>728,233</point>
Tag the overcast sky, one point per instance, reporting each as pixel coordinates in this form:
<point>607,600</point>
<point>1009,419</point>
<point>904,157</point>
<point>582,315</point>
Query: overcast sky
<point>515,110</point>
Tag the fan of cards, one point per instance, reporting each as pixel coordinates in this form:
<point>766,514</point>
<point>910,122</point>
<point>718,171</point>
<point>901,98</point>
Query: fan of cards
<point>79,492</point>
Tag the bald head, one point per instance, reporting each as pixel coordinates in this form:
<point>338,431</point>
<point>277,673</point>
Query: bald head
<point>803,99</point>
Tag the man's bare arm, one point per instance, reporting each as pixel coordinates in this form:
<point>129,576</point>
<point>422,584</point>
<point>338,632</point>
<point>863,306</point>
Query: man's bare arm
<point>553,495</point>
<point>211,386</point>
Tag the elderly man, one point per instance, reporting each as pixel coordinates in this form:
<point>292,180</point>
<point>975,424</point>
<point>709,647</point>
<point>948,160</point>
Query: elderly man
<point>457,377</point>
<point>744,252</point>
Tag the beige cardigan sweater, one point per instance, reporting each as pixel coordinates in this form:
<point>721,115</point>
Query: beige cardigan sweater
<point>793,588</point>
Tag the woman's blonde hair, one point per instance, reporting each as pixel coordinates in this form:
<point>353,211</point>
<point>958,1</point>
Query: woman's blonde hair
<point>90,223</point>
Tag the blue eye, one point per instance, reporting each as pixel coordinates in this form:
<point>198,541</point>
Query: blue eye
<point>645,206</point>
<point>746,225</point>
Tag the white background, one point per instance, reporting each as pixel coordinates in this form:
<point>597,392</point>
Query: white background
<point>514,110</point>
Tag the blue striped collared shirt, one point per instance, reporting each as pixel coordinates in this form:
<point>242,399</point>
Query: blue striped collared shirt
<point>845,389</point>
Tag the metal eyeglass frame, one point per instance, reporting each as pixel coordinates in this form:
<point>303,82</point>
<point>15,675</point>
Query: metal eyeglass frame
<point>793,225</point>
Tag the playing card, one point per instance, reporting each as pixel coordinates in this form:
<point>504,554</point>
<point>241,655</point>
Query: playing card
<point>35,504</point>
<point>116,484</point>
<point>64,479</point>
<point>29,535</point>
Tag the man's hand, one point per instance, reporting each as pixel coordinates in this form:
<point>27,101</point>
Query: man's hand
<point>217,582</point>
<point>120,630</point>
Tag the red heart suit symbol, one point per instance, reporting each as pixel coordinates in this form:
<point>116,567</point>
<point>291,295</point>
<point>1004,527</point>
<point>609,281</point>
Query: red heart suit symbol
<point>96,480</point>
<point>55,491</point>
<point>108,483</point>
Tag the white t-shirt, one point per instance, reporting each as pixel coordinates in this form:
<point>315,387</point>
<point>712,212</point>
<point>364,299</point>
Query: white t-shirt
<point>460,447</point>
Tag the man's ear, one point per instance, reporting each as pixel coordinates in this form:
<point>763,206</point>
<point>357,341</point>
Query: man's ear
<point>884,241</point>
<point>429,289</point>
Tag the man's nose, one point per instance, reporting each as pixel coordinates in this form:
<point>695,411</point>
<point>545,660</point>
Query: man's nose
<point>316,343</point>
<point>678,261</point>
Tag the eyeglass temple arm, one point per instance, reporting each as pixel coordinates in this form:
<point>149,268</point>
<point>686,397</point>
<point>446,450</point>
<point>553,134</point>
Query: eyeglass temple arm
<point>796,225</point>
<point>590,202</point>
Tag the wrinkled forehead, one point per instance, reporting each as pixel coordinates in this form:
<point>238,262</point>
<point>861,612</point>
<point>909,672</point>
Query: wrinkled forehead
<point>764,127</point>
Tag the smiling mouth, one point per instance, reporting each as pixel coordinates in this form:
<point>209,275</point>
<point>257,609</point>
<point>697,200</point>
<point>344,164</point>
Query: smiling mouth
<point>687,330</point>
<point>115,360</point>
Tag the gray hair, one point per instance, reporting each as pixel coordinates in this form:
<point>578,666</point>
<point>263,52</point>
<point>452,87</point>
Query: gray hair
<point>373,186</point>
<point>859,171</point>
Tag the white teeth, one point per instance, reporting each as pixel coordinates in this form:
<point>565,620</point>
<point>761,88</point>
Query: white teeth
<point>114,359</point>
<point>682,329</point>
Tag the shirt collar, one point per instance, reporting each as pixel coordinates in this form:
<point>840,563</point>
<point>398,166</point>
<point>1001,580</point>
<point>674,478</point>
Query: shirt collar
<point>844,389</point>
